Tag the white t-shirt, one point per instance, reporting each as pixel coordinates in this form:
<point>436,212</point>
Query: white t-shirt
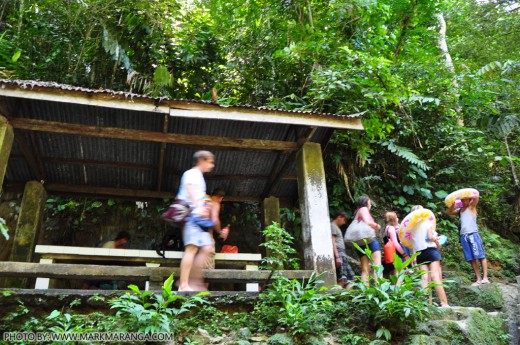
<point>195,178</point>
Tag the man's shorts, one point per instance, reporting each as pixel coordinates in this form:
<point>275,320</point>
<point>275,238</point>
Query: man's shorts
<point>374,246</point>
<point>344,273</point>
<point>472,246</point>
<point>429,255</point>
<point>194,235</point>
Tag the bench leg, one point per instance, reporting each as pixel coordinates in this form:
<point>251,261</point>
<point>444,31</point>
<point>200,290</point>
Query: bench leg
<point>252,286</point>
<point>150,264</point>
<point>43,283</point>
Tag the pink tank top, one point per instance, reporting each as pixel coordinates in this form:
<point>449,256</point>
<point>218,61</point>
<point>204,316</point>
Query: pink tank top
<point>370,218</point>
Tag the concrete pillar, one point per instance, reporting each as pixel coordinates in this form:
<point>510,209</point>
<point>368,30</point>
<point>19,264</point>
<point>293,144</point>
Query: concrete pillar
<point>29,223</point>
<point>314,205</point>
<point>271,214</point>
<point>6,142</point>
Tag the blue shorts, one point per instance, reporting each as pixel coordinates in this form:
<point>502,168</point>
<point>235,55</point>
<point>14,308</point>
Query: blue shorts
<point>195,235</point>
<point>373,246</point>
<point>429,255</point>
<point>472,246</point>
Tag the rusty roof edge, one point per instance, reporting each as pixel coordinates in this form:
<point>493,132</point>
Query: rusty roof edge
<point>56,92</point>
<point>271,116</point>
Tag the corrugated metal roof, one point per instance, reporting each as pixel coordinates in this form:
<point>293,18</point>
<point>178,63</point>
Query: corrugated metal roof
<point>152,145</point>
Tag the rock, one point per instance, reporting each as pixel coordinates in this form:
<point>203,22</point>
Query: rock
<point>486,296</point>
<point>258,339</point>
<point>314,340</point>
<point>243,333</point>
<point>461,325</point>
<point>280,339</point>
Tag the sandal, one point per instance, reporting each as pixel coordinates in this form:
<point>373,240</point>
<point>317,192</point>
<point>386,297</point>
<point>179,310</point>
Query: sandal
<point>477,283</point>
<point>484,281</point>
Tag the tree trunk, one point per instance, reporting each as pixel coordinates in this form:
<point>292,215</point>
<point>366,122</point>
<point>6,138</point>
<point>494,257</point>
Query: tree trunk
<point>443,46</point>
<point>513,171</point>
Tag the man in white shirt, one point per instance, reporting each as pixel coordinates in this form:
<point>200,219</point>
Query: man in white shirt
<point>198,243</point>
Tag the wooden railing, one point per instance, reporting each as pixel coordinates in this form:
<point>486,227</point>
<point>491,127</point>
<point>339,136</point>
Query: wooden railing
<point>155,275</point>
<point>67,254</point>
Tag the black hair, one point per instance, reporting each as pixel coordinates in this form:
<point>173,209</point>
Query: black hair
<point>362,201</point>
<point>340,214</point>
<point>122,234</point>
<point>218,192</point>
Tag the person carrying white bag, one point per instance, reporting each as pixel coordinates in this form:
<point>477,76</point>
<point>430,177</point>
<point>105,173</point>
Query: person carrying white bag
<point>362,228</point>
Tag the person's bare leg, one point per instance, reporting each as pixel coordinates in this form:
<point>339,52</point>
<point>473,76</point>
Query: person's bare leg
<point>365,268</point>
<point>186,266</point>
<point>425,277</point>
<point>376,258</point>
<point>476,269</point>
<point>200,262</point>
<point>436,276</point>
<point>483,263</point>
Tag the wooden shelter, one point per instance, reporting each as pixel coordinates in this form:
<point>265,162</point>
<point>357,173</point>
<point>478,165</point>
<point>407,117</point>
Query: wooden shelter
<point>60,139</point>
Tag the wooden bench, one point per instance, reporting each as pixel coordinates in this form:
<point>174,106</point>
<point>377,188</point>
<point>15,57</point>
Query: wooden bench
<point>53,254</point>
<point>156,275</point>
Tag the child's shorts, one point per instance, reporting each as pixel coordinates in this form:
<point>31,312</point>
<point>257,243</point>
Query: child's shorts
<point>472,246</point>
<point>428,255</point>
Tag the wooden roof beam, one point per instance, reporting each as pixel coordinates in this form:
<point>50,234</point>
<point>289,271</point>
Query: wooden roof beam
<point>132,193</point>
<point>139,135</point>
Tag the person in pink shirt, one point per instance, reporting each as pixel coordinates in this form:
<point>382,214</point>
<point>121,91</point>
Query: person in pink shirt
<point>363,213</point>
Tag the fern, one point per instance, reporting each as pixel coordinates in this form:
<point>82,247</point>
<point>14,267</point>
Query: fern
<point>501,125</point>
<point>406,154</point>
<point>505,67</point>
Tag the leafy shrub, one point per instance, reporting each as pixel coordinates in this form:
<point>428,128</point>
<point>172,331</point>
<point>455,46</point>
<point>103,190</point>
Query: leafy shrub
<point>278,244</point>
<point>148,312</point>
<point>299,307</point>
<point>394,304</point>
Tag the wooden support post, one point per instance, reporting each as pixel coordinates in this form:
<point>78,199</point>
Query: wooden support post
<point>317,239</point>
<point>271,211</point>
<point>29,223</point>
<point>271,214</point>
<point>6,143</point>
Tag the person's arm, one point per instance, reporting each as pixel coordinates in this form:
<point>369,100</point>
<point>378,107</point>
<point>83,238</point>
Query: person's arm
<point>393,237</point>
<point>365,215</point>
<point>452,210</point>
<point>432,237</point>
<point>337,258</point>
<point>215,216</point>
<point>474,201</point>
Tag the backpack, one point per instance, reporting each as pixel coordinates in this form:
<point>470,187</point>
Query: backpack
<point>389,249</point>
<point>172,240</point>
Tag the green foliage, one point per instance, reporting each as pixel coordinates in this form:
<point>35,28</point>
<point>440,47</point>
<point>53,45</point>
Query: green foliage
<point>300,307</point>
<point>406,154</point>
<point>278,243</point>
<point>396,304</point>
<point>145,311</point>
<point>4,229</point>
